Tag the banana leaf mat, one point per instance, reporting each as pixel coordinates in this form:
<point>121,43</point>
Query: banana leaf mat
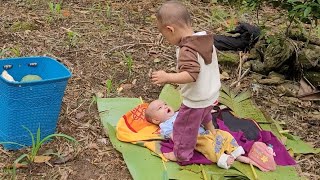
<point>145,165</point>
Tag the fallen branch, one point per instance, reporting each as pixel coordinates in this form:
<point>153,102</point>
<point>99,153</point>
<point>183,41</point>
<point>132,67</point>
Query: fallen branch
<point>241,77</point>
<point>119,47</point>
<point>240,65</point>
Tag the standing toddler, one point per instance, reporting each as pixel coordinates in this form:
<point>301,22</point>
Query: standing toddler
<point>197,75</point>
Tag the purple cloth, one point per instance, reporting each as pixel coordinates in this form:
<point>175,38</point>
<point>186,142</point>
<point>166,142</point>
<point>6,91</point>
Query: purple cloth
<point>197,158</point>
<point>186,129</point>
<point>282,156</point>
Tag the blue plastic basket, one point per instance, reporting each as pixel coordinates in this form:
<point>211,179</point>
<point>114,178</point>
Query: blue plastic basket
<point>30,104</point>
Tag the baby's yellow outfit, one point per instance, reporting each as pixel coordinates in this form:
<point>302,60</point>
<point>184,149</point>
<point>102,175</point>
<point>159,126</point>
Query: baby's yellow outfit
<point>218,147</point>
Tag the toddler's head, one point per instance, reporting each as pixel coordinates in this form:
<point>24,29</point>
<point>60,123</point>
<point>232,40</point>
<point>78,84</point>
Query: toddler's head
<point>158,112</point>
<point>173,21</point>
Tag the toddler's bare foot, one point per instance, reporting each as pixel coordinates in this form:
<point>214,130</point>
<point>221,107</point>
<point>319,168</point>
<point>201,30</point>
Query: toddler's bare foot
<point>170,156</point>
<point>230,160</point>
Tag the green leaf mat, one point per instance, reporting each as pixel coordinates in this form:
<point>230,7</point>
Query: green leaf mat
<point>143,165</point>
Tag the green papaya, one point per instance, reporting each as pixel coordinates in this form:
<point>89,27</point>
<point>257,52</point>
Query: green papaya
<point>30,77</point>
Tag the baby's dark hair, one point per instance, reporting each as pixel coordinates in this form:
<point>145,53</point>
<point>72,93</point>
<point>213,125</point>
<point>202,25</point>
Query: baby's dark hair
<point>173,13</point>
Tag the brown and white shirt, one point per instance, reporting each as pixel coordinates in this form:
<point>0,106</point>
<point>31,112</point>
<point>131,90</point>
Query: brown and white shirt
<point>197,55</point>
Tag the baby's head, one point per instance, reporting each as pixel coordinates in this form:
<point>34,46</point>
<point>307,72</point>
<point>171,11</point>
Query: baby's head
<point>173,20</point>
<point>158,112</point>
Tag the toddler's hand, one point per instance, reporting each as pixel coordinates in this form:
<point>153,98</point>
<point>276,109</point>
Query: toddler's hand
<point>159,77</point>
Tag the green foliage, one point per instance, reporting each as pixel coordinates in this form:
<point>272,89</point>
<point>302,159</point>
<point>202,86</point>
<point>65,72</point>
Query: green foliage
<point>93,101</point>
<point>22,26</point>
<point>73,38</point>
<point>218,15</point>
<point>231,25</point>
<point>307,11</point>
<point>240,104</point>
<point>318,31</point>
<point>37,142</point>
<point>236,3</point>
<point>55,8</point>
<point>109,86</point>
<point>248,4</point>
<point>171,96</point>
<point>102,9</point>
<point>111,109</point>
<point>8,173</point>
<point>223,18</point>
<point>227,57</point>
<point>304,10</point>
<point>55,11</point>
<point>282,172</point>
<point>15,51</point>
<point>12,52</point>
<point>298,146</point>
<point>108,10</point>
<point>273,39</point>
<point>129,62</point>
<point>253,4</point>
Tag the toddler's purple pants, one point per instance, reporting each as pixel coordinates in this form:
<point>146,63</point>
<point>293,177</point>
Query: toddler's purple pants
<point>186,129</point>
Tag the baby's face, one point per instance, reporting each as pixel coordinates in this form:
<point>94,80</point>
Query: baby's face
<point>160,111</point>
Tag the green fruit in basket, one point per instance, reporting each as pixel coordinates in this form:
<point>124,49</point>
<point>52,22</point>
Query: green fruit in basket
<point>29,78</point>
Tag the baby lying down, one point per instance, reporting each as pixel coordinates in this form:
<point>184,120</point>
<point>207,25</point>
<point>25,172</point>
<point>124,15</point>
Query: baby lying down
<point>216,145</point>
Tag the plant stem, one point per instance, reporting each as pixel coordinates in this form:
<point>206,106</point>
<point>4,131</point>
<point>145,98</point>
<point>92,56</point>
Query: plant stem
<point>257,13</point>
<point>290,22</point>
